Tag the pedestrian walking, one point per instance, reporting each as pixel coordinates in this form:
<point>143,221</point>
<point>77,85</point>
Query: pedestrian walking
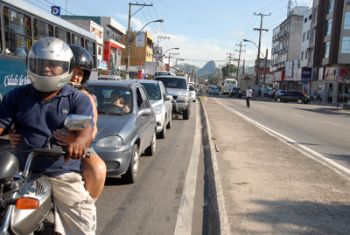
<point>248,95</point>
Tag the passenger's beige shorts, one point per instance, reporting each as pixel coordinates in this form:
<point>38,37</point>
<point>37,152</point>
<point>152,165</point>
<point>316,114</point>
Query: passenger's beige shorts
<point>75,211</point>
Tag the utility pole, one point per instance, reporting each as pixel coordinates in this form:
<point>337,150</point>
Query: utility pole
<point>230,57</point>
<point>239,58</point>
<point>267,52</point>
<point>128,40</point>
<point>259,45</point>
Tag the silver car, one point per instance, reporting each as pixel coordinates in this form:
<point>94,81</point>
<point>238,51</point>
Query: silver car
<point>177,87</point>
<point>161,103</point>
<point>126,126</point>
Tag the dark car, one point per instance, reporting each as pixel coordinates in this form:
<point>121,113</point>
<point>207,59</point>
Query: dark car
<point>123,132</point>
<point>294,96</point>
<point>236,91</point>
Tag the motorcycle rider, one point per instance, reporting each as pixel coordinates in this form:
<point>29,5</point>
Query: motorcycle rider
<point>39,109</point>
<point>93,168</point>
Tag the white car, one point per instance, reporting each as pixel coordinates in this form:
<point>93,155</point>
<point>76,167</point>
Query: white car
<point>161,103</point>
<point>192,91</point>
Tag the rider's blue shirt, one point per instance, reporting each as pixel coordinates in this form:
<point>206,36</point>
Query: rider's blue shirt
<point>36,120</point>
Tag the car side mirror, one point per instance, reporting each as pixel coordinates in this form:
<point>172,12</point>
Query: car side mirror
<point>145,112</point>
<point>169,97</point>
<point>76,122</point>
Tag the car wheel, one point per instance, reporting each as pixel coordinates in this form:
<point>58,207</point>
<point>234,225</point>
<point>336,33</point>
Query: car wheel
<point>170,123</point>
<point>278,99</point>
<point>130,176</point>
<point>299,101</point>
<point>151,149</point>
<point>162,134</point>
<point>186,114</point>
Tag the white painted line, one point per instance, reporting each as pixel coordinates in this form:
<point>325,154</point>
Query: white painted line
<point>331,123</point>
<point>224,225</point>
<point>297,115</point>
<point>185,215</point>
<point>338,168</point>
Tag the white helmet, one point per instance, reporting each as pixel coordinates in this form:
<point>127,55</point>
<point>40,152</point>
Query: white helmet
<point>50,64</point>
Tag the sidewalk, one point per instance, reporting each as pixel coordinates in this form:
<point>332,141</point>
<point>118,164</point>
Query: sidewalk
<point>269,187</point>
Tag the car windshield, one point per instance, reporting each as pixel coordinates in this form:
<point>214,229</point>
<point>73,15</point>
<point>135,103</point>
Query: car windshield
<point>112,100</point>
<point>153,91</point>
<point>173,82</point>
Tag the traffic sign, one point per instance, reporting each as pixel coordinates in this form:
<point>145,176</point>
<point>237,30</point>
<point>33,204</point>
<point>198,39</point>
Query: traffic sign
<point>56,10</point>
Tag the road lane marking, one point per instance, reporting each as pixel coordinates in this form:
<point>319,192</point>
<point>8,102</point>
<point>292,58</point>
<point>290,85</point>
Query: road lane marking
<point>185,215</point>
<point>338,168</point>
<point>330,123</point>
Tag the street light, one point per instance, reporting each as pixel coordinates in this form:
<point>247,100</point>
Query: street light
<point>258,62</point>
<point>130,40</point>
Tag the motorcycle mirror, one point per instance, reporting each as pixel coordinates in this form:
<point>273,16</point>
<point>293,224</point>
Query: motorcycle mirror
<point>9,166</point>
<point>75,122</point>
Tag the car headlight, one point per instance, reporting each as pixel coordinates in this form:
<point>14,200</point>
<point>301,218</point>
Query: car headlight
<point>158,109</point>
<point>182,98</point>
<point>110,142</point>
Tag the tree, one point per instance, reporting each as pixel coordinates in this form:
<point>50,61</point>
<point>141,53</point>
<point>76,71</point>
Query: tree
<point>229,70</point>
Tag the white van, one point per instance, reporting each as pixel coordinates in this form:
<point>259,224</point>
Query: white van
<point>229,83</point>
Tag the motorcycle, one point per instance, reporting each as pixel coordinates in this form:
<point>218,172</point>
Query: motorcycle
<point>25,198</point>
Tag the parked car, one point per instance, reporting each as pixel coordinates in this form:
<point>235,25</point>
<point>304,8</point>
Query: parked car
<point>286,96</point>
<point>123,134</point>
<point>192,91</point>
<point>109,77</point>
<point>213,90</point>
<point>177,87</point>
<point>161,103</point>
<point>236,91</point>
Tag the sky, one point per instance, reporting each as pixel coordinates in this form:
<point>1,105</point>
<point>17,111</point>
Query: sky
<point>203,30</point>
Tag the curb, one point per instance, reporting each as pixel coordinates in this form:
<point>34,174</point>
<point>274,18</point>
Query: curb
<point>215,213</point>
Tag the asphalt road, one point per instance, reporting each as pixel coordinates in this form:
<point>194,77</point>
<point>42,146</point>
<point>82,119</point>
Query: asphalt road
<point>151,205</point>
<point>324,129</point>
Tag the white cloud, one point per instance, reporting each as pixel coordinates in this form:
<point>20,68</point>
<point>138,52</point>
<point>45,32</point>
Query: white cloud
<point>199,52</point>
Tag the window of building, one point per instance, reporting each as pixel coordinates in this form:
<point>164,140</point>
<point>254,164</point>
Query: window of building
<point>310,17</point>
<point>302,55</point>
<point>345,45</point>
<point>304,34</point>
<point>328,30</point>
<point>347,20</point>
<point>305,19</point>
<point>347,2</point>
<point>330,6</point>
<point>326,50</point>
<point>308,35</point>
<point>17,28</point>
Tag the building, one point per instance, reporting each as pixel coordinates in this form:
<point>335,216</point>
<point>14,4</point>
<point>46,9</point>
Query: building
<point>331,52</point>
<point>286,49</point>
<point>96,29</point>
<point>141,55</point>
<point>113,41</point>
<point>305,53</point>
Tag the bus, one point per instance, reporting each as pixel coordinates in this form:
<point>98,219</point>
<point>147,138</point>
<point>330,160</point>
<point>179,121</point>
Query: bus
<point>229,83</point>
<point>21,25</point>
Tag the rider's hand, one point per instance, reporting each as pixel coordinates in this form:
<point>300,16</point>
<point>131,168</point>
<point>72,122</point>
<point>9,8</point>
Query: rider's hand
<point>15,138</point>
<point>65,137</point>
<point>76,149</point>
